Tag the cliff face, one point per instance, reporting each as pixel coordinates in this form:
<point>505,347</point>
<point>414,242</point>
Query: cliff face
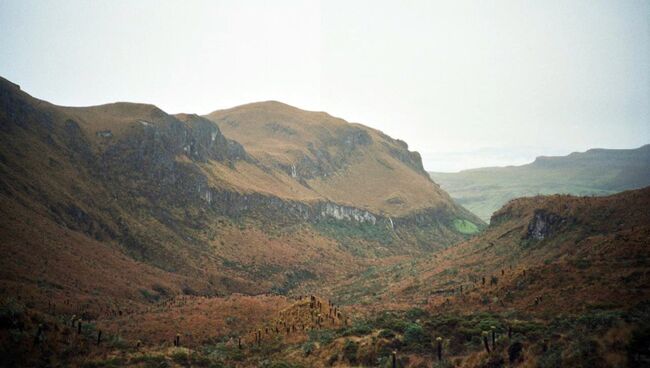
<point>180,195</point>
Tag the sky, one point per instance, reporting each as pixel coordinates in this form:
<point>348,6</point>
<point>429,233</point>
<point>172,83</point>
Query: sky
<point>465,83</point>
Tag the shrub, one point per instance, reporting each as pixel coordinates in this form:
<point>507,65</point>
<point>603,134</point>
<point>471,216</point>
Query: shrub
<point>350,351</point>
<point>514,351</point>
<point>181,357</point>
<point>308,348</point>
<point>583,353</point>
<point>323,337</point>
<point>10,313</point>
<point>415,313</point>
<point>415,337</point>
<point>358,329</point>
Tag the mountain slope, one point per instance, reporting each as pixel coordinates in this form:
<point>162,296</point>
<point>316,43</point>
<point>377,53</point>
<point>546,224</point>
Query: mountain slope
<point>596,171</point>
<point>573,253</point>
<point>333,159</point>
<point>174,198</point>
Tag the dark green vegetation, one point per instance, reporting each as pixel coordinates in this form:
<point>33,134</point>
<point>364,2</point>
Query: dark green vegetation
<point>586,340</point>
<point>595,172</point>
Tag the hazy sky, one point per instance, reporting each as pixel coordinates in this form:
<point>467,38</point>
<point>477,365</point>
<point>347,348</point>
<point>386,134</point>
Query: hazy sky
<point>466,83</point>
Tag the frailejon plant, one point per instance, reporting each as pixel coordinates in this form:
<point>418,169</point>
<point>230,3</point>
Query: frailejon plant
<point>493,328</point>
<point>485,342</point>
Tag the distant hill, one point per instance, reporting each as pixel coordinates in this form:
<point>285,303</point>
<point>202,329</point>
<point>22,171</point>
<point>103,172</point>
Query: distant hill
<point>594,172</point>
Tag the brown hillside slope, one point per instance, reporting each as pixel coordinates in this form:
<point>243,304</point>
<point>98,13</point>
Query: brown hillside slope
<point>172,197</point>
<point>541,254</point>
<point>333,159</point>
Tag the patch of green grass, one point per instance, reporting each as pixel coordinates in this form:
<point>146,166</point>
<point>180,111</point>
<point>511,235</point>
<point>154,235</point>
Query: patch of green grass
<point>343,230</point>
<point>465,227</point>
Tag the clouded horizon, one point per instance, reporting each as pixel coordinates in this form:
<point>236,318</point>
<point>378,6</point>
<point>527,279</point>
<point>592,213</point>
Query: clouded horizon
<point>465,83</point>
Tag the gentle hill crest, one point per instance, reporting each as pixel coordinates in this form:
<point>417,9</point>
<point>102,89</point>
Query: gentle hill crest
<point>594,172</point>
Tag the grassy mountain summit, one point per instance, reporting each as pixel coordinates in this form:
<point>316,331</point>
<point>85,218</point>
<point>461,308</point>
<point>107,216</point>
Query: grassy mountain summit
<point>594,172</point>
<point>326,157</point>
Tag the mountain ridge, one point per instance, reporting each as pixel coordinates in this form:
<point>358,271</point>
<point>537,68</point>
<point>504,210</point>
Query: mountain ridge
<point>174,194</point>
<point>594,172</point>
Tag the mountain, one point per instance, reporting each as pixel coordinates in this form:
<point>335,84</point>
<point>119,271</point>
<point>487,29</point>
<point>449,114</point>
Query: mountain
<point>126,202</point>
<point>268,236</point>
<point>594,172</point>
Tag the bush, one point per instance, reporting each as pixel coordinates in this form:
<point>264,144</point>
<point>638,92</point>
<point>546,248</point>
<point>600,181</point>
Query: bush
<point>358,329</point>
<point>181,357</point>
<point>415,313</point>
<point>514,351</point>
<point>323,337</point>
<point>386,334</point>
<point>600,319</point>
<point>308,348</point>
<point>11,313</point>
<point>415,337</point>
<point>583,353</point>
<point>350,351</point>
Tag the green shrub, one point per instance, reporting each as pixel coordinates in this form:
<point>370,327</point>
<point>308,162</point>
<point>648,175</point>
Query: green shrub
<point>308,347</point>
<point>323,337</point>
<point>181,357</point>
<point>415,313</point>
<point>358,329</point>
<point>415,337</point>
<point>350,351</point>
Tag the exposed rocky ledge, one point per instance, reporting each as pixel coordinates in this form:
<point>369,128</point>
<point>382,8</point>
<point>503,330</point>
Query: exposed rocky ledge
<point>235,204</point>
<point>543,225</point>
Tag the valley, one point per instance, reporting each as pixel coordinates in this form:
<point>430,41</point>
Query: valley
<point>269,236</point>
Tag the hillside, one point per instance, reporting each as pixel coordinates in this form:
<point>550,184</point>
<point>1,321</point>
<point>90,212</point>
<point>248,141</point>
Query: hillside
<point>553,281</point>
<point>558,280</point>
<point>87,191</point>
<point>268,236</point>
<point>594,172</point>
<point>332,159</point>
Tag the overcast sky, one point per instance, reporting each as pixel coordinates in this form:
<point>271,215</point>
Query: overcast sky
<point>465,83</point>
